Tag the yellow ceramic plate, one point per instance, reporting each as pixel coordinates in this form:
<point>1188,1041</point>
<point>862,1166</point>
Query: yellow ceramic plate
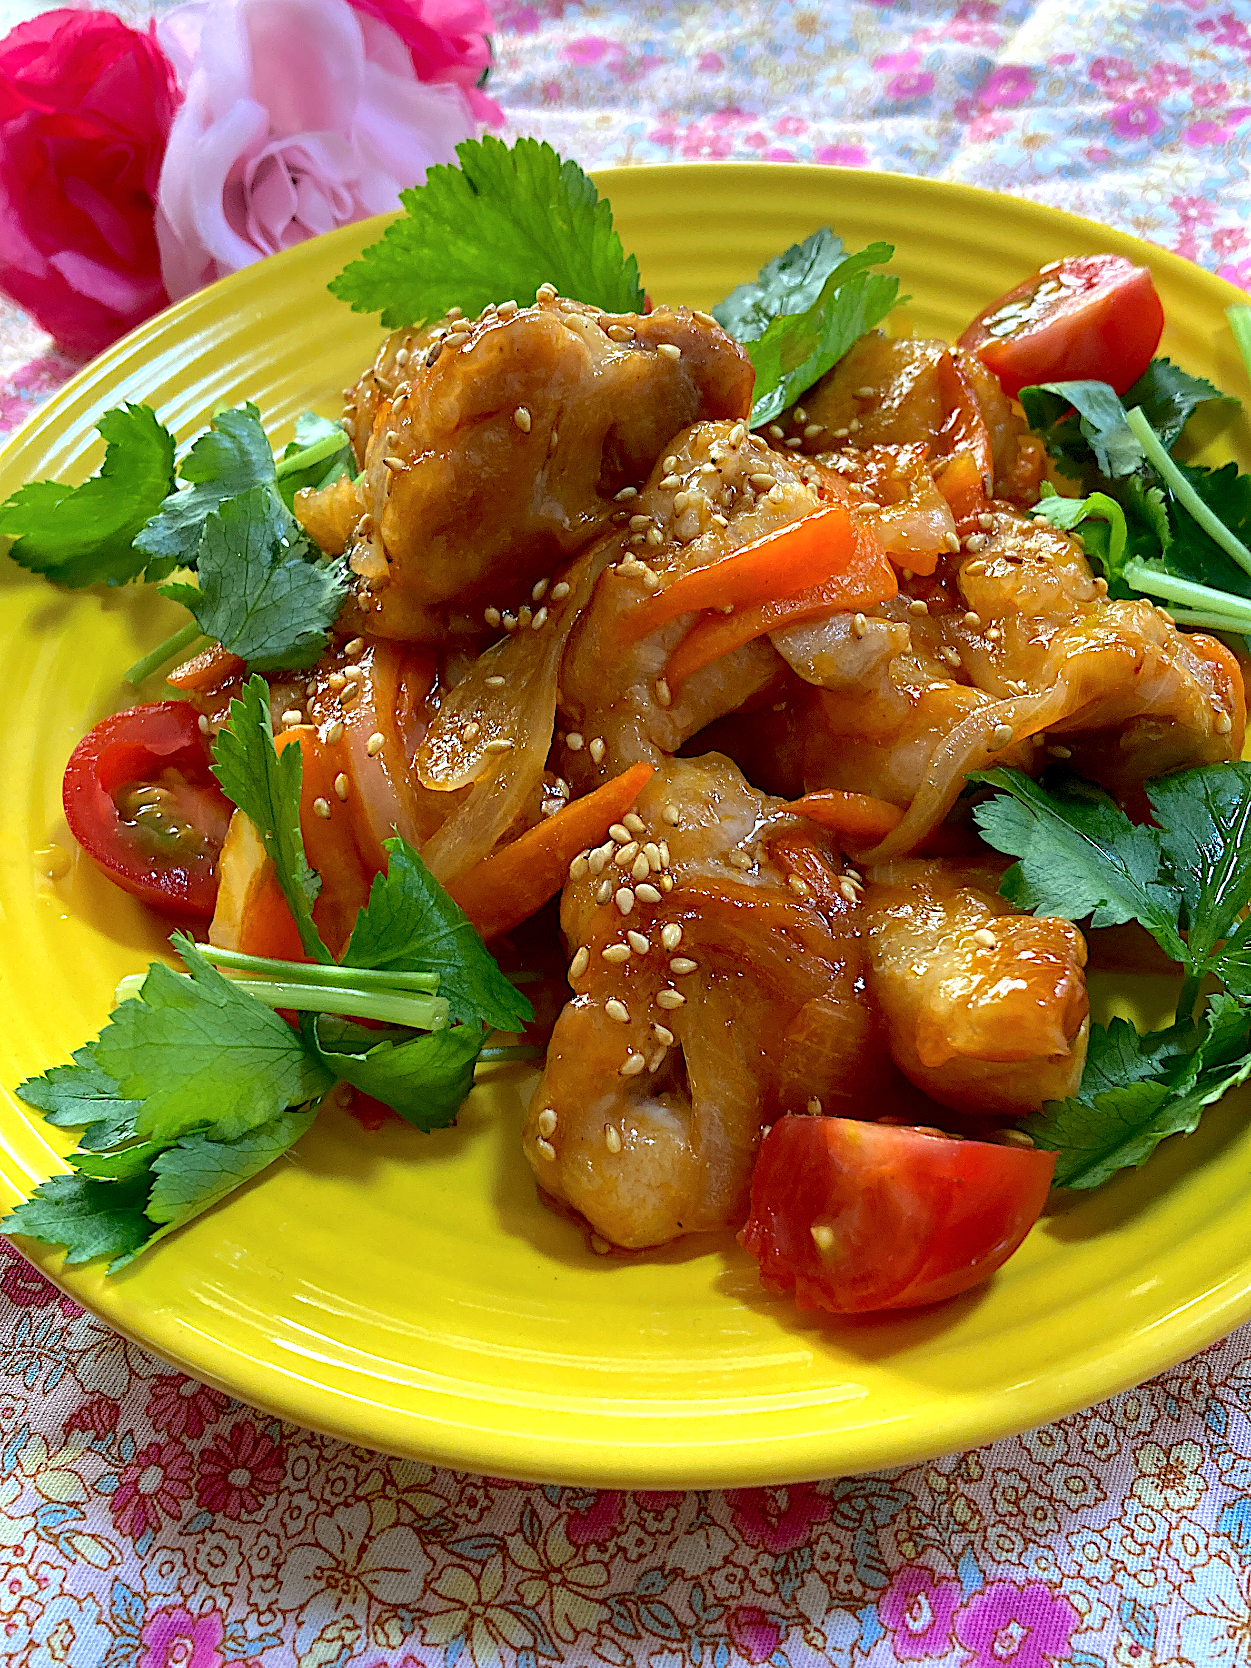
<point>409,1292</point>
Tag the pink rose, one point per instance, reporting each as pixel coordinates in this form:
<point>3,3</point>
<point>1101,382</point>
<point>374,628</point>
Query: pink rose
<point>448,42</point>
<point>299,116</point>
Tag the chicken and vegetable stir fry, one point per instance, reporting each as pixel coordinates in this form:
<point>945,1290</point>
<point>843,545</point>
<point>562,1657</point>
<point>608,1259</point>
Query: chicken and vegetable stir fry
<point>587,625</point>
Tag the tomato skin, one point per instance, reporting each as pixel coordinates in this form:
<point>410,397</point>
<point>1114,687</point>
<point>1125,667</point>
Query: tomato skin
<point>915,1216</point>
<point>1092,317</point>
<point>138,746</point>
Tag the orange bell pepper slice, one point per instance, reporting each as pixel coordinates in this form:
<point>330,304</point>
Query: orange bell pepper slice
<point>507,888</point>
<point>791,558</point>
<point>858,818</point>
<point>866,579</point>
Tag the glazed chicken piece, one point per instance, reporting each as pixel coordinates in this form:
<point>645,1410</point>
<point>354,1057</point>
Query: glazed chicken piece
<point>501,451</point>
<point>725,996</point>
<point>716,489</point>
<point>985,1009</point>
<point>1010,647</point>
<point>893,395</point>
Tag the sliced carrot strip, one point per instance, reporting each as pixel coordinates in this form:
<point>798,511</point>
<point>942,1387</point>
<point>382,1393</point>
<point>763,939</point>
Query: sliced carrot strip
<point>867,579</point>
<point>857,817</point>
<point>791,558</point>
<point>506,889</point>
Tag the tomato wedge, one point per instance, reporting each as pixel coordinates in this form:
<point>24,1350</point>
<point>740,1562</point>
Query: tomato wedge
<point>857,1216</point>
<point>141,802</point>
<point>1091,316</point>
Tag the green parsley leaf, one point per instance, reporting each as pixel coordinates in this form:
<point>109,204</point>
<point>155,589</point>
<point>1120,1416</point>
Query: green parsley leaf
<point>85,535</point>
<point>82,1094</point>
<point>232,457</point>
<point>1080,856</point>
<point>423,1078</point>
<point>1204,832</point>
<point>1170,397</point>
<point>797,349</point>
<point>265,785</point>
<point>318,455</point>
<point>790,283</point>
<point>1105,534</point>
<point>258,594</point>
<point>411,925</point>
<point>199,1172</point>
<point>199,1054</point>
<point>1190,552</point>
<point>1137,1090</point>
<point>122,1165</point>
<point>508,219</point>
<point>89,1218</point>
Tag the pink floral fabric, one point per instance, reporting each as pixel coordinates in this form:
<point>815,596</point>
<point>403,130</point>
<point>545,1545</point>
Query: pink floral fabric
<point>148,1522</point>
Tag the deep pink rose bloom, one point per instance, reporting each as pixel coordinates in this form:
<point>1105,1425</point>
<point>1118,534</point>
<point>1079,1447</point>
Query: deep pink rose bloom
<point>98,1414</point>
<point>752,1634</point>
<point>175,1638</point>
<point>299,116</point>
<point>916,1609</point>
<point>777,1519</point>
<point>1016,1627</point>
<point>179,1406</point>
<point>448,42</point>
<point>152,1488</point>
<point>240,1470</point>
<point>85,108</point>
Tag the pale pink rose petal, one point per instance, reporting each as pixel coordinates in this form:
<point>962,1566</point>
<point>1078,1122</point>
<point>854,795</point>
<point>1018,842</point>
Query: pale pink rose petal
<point>308,60</point>
<point>197,241</point>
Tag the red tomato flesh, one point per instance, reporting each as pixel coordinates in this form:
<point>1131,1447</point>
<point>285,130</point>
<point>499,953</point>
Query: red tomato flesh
<point>1094,317</point>
<point>857,1216</point>
<point>141,802</point>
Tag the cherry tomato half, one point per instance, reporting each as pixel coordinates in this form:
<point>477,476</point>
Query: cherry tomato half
<point>857,1216</point>
<point>141,802</point>
<point>1092,316</point>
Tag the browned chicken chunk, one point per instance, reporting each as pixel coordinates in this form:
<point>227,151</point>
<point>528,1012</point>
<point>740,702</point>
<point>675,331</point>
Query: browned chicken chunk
<point>501,452</point>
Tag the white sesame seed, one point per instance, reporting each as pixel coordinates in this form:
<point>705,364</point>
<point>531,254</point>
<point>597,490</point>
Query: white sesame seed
<point>547,1121</point>
<point>672,815</point>
<point>500,745</point>
<point>638,942</point>
<point>545,1150</point>
<point>704,318</point>
<point>1224,724</point>
<point>814,1107</point>
<point>985,519</point>
<point>670,350</point>
<point>603,891</point>
<point>663,696</point>
<point>595,862</point>
<point>573,741</point>
<point>335,732</point>
<point>625,495</point>
<point>652,853</point>
<point>634,823</point>
<point>612,1138</point>
<point>972,620</point>
<point>670,999</point>
<point>917,606</point>
<point>293,716</point>
<point>620,833</point>
<point>812,430</point>
<point>560,591</point>
<point>847,890</point>
<point>202,724</point>
<point>682,965</point>
<point>762,481</point>
<point>1000,736</point>
<point>492,617</point>
<point>775,431</point>
<point>1060,752</point>
<point>578,966</point>
<point>321,807</point>
<point>640,868</point>
<point>394,464</point>
<point>951,541</point>
<point>522,419</point>
<point>545,292</point>
<point>634,1064</point>
<point>617,1010</point>
<point>539,620</point>
<point>615,953</point>
<point>663,1034</point>
<point>341,785</point>
<point>625,855</point>
<point>375,744</point>
<point>647,893</point>
<point>822,1236</point>
<point>624,899</point>
<point>670,935</point>
<point>597,749</point>
<point>663,849</point>
<point>666,883</point>
<point>798,885</point>
<point>579,867</point>
<point>985,938</point>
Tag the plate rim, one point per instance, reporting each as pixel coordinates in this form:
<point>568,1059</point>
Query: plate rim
<point>413,1433</point>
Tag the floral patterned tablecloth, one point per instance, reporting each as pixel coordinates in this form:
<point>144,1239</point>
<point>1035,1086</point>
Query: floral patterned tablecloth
<point>147,1522</point>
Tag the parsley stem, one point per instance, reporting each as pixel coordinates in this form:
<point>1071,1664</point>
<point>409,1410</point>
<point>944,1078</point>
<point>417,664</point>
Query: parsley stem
<point>1185,494</point>
<point>1239,317</point>
<point>162,653</point>
<point>326,447</point>
<point>1233,611</point>
<point>518,1051</point>
<point>1187,997</point>
<point>315,973</point>
<point>418,1013</point>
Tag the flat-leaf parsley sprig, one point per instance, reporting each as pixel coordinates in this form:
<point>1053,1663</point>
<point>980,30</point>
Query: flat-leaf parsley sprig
<point>196,1084</point>
<point>1187,879</point>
